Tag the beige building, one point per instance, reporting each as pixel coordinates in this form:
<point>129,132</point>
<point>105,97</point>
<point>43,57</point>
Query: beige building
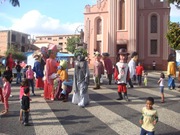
<point>59,40</point>
<point>11,38</point>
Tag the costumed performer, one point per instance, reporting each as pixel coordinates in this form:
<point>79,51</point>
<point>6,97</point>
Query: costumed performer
<point>108,66</point>
<point>38,69</point>
<point>62,91</point>
<point>81,78</point>
<point>50,72</point>
<point>121,74</point>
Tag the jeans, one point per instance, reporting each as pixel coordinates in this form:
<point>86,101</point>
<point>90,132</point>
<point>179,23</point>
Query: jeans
<point>18,78</point>
<point>25,117</point>
<point>31,83</point>
<point>144,132</point>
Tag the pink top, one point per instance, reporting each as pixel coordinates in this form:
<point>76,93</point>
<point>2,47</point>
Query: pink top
<point>21,92</point>
<point>7,89</point>
<point>98,68</point>
<point>29,74</point>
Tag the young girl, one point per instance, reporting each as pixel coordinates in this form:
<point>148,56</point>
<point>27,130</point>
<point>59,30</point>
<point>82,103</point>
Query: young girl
<point>24,85</point>
<point>161,84</point>
<point>1,86</point>
<point>145,78</point>
<point>149,118</point>
<point>30,77</point>
<point>6,93</point>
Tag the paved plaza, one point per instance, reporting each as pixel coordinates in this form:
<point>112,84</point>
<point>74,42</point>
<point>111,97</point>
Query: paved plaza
<point>103,116</point>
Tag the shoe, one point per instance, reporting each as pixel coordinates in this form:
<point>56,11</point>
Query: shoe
<point>119,99</point>
<point>26,124</point>
<point>11,95</point>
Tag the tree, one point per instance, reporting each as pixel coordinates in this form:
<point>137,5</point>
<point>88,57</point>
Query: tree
<point>71,43</point>
<point>15,2</point>
<point>16,54</point>
<point>173,35</point>
<point>175,2</point>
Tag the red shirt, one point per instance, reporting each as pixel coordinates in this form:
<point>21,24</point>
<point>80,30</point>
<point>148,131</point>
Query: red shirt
<point>139,70</point>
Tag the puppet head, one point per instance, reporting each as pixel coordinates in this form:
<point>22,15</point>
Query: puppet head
<point>52,50</point>
<point>37,55</point>
<point>80,53</point>
<point>63,64</point>
<point>123,55</point>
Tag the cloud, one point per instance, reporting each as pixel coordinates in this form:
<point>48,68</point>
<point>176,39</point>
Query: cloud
<point>34,23</point>
<point>174,12</point>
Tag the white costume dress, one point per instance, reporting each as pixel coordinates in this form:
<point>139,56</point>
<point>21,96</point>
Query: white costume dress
<point>80,83</point>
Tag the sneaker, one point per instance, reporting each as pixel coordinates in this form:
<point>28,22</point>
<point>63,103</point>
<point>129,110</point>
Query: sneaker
<point>11,95</point>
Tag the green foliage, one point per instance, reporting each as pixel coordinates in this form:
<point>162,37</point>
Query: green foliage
<point>80,51</point>
<point>173,35</point>
<point>15,54</point>
<point>15,3</point>
<point>175,2</point>
<point>71,43</point>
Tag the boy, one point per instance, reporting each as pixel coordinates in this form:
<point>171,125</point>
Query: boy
<point>149,118</point>
<point>25,107</point>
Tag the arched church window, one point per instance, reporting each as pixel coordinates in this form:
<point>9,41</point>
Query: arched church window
<point>99,26</point>
<point>154,24</point>
<point>121,15</point>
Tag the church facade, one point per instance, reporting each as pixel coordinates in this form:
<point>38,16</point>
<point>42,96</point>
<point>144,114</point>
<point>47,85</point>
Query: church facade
<point>137,25</point>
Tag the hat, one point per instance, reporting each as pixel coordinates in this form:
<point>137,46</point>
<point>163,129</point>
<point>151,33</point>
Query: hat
<point>52,47</point>
<point>105,54</point>
<point>123,51</point>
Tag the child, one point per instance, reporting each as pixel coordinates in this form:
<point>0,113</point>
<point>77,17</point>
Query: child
<point>161,84</point>
<point>139,72</point>
<point>6,93</point>
<point>30,77</point>
<point>145,78</point>
<point>24,85</point>
<point>149,118</point>
<point>1,86</point>
<point>25,107</point>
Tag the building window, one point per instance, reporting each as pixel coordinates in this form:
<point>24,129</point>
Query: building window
<point>49,38</point>
<point>153,24</point>
<point>23,40</point>
<point>121,15</point>
<point>60,37</point>
<point>99,26</point>
<point>98,46</point>
<point>13,38</point>
<point>153,47</point>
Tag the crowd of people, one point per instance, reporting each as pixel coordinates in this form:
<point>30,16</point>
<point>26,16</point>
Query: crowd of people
<point>53,79</point>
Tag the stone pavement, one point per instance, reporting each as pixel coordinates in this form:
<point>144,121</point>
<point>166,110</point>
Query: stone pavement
<point>104,116</point>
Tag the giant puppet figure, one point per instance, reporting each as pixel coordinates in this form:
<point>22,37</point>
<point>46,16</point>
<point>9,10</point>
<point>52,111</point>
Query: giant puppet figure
<point>50,72</point>
<point>81,78</point>
<point>38,69</point>
<point>121,74</point>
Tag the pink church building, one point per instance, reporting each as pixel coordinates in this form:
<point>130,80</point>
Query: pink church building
<point>137,25</point>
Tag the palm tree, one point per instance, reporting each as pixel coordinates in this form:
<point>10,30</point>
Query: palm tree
<point>14,2</point>
<point>175,2</point>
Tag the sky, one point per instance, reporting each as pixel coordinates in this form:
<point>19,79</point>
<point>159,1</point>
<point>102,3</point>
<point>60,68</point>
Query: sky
<point>50,17</point>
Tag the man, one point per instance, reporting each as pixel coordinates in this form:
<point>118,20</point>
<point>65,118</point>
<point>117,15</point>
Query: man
<point>132,68</point>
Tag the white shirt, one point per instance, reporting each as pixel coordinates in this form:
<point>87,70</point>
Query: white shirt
<point>132,68</point>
